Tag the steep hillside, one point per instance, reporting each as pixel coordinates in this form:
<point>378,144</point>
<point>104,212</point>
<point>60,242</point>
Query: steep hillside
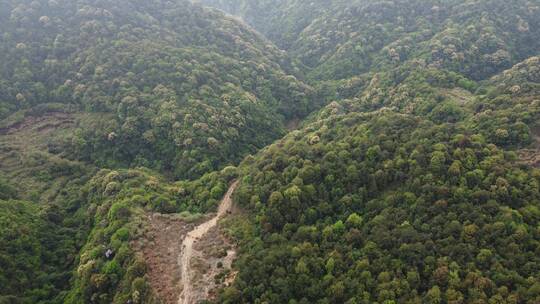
<point>340,39</point>
<point>281,21</point>
<point>412,186</point>
<point>509,112</point>
<point>175,76</point>
<point>112,267</point>
<point>59,217</point>
<point>383,207</point>
<point>43,220</point>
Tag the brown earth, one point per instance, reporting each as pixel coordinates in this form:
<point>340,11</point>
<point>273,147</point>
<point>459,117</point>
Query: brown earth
<point>212,262</point>
<point>160,249</point>
<point>187,262</point>
<point>197,279</point>
<point>41,124</point>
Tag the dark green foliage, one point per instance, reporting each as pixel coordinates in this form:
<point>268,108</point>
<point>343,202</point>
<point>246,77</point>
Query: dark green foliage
<point>448,214</point>
<point>117,203</point>
<point>408,186</point>
<point>38,249</point>
<point>7,190</point>
<point>388,207</point>
<point>186,90</point>
<point>509,113</point>
<point>281,20</point>
<point>18,235</point>
<point>204,194</point>
<point>43,221</point>
<point>116,200</point>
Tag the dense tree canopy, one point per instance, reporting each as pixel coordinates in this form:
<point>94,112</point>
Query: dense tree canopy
<point>382,207</point>
<point>178,81</point>
<point>388,154</point>
<point>340,39</point>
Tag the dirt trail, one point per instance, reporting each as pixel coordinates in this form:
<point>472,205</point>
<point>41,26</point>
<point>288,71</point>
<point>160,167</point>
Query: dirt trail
<point>160,249</point>
<point>186,254</point>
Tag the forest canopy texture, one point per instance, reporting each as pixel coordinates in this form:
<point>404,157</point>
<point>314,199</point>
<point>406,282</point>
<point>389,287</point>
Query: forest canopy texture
<point>386,151</point>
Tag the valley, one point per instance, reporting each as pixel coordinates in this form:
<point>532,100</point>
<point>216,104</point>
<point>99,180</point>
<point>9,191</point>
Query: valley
<point>257,151</point>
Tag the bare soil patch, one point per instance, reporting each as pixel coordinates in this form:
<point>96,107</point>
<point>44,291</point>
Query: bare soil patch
<point>198,263</point>
<point>160,248</point>
<point>42,124</point>
<point>212,264</point>
<point>188,262</point>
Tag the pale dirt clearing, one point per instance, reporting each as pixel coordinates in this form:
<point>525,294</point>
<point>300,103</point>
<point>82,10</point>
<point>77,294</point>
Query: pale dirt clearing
<point>190,294</point>
<point>160,249</point>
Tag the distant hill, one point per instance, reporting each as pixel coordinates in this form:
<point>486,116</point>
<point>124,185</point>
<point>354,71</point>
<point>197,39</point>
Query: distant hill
<point>339,39</point>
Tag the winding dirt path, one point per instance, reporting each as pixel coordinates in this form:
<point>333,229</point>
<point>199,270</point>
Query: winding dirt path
<point>184,259</point>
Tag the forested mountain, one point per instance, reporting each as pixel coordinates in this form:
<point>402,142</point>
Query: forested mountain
<point>340,39</point>
<point>386,207</point>
<point>281,21</point>
<point>173,76</point>
<point>91,84</point>
<point>385,151</point>
<point>415,183</point>
<point>43,220</point>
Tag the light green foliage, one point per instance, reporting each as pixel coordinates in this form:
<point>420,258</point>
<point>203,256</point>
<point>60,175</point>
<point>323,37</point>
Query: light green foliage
<point>36,251</point>
<point>115,279</point>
